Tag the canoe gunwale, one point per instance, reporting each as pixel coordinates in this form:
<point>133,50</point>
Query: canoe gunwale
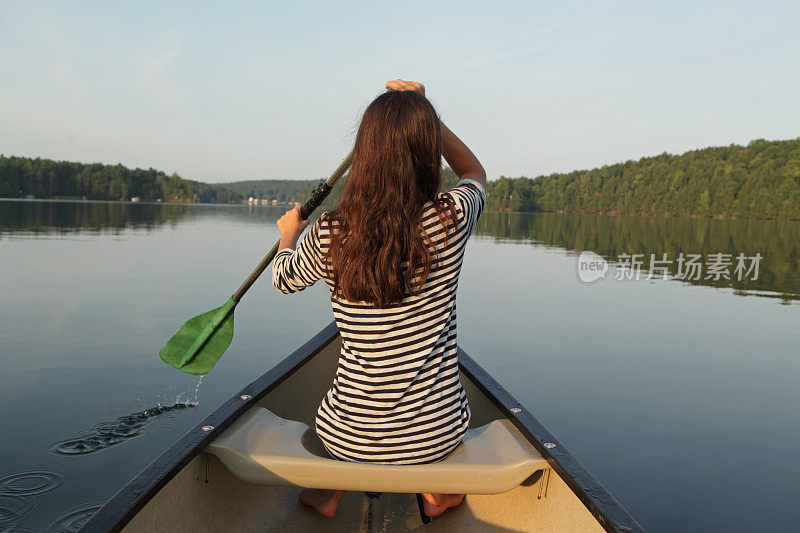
<point>124,505</point>
<point>128,501</point>
<point>610,514</point>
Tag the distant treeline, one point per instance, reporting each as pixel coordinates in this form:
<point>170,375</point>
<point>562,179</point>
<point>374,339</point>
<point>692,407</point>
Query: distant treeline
<point>45,178</point>
<point>760,180</point>
<point>281,190</point>
<point>299,190</point>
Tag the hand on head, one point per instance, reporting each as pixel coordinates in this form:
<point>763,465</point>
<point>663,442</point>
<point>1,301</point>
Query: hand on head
<point>402,85</point>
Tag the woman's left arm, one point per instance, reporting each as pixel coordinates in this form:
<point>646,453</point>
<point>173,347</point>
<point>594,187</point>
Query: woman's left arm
<point>294,270</point>
<point>291,225</point>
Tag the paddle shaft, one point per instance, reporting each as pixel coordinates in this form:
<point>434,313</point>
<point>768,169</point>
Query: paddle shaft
<point>217,325</point>
<point>314,200</point>
<point>317,196</point>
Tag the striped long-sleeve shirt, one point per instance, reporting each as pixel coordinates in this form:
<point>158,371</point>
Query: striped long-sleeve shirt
<point>396,397</point>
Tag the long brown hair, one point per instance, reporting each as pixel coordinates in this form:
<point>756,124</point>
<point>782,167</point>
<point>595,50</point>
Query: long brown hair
<point>377,253</point>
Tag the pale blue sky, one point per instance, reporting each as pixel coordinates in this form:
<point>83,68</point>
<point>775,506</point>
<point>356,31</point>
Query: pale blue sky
<point>233,90</point>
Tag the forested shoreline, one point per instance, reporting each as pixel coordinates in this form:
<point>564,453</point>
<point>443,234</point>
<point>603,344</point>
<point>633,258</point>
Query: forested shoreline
<point>280,190</point>
<point>760,180</point>
<point>22,177</point>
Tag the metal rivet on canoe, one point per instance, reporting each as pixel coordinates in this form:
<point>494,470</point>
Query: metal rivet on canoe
<point>246,397</point>
<point>549,445</point>
<point>516,410</point>
<point>207,428</point>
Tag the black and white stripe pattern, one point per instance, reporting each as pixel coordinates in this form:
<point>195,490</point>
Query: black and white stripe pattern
<point>396,397</point>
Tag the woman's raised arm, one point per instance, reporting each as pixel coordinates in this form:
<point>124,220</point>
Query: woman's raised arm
<point>460,157</point>
<point>455,152</point>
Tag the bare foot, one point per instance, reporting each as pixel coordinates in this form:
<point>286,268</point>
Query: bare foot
<point>325,502</point>
<point>436,504</point>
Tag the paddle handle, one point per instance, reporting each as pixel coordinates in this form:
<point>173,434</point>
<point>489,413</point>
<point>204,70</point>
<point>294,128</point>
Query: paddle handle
<point>317,196</point>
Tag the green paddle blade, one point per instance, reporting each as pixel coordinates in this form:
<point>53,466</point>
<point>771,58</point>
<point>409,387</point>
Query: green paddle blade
<point>199,343</point>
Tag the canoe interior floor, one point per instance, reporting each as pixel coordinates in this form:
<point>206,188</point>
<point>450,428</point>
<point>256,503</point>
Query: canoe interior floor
<point>226,503</point>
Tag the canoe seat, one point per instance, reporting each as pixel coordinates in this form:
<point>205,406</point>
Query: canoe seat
<point>265,449</point>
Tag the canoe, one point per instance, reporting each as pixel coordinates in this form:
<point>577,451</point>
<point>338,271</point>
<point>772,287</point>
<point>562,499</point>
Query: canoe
<point>242,468</point>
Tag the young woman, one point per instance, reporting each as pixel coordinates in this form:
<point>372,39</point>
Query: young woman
<point>391,253</point>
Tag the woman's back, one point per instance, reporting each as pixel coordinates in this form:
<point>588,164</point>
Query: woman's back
<point>396,397</point>
<point>392,269</point>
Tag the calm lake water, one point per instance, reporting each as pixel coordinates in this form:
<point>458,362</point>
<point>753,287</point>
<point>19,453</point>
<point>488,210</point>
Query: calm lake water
<point>682,398</point>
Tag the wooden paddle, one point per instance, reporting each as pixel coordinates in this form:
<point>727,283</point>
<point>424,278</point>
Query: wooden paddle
<point>199,343</point>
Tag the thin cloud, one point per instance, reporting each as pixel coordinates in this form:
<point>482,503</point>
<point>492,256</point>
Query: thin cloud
<point>159,62</point>
<point>501,56</point>
<point>62,73</point>
<point>510,53</point>
<point>565,23</point>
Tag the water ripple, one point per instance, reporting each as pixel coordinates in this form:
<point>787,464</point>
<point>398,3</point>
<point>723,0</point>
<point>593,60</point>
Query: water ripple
<point>30,483</point>
<point>107,434</point>
<point>71,522</point>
